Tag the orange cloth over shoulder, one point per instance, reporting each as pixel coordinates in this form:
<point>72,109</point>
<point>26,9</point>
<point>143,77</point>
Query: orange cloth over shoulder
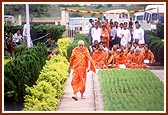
<point>79,61</point>
<point>105,37</point>
<point>78,57</point>
<point>99,58</point>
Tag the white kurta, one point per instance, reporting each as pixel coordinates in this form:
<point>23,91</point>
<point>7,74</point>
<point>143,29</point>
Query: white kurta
<point>126,37</point>
<point>96,33</point>
<point>139,34</point>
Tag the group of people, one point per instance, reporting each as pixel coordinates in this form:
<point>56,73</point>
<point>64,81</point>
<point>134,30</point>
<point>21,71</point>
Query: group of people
<point>113,45</point>
<point>132,56</point>
<point>112,32</point>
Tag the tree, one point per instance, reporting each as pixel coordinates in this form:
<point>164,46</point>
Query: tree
<point>36,10</point>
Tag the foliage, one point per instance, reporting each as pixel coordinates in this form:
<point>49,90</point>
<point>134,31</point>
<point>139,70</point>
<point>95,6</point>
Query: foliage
<point>40,97</point>
<point>56,31</point>
<point>160,30</point>
<point>131,90</point>
<point>53,73</point>
<point>7,60</point>
<point>36,10</point>
<point>49,88</point>
<point>63,44</point>
<point>157,47</point>
<point>83,37</point>
<point>23,69</point>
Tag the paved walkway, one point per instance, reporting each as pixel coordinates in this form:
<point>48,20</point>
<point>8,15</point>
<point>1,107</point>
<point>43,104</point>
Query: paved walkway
<point>160,74</point>
<point>93,101</point>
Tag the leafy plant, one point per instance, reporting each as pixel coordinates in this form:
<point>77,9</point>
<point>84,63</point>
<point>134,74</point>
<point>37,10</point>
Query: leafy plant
<point>135,93</point>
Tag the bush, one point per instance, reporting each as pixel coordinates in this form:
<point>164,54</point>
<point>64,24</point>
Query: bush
<point>63,44</point>
<point>53,73</point>
<point>160,30</point>
<point>40,97</point>
<point>156,45</point>
<point>82,37</point>
<point>24,69</point>
<point>56,31</point>
<point>45,95</point>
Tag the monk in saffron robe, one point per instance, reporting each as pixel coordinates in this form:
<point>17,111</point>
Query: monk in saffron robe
<point>137,60</point>
<point>79,61</point>
<point>130,55</point>
<point>113,54</point>
<point>100,57</point>
<point>148,55</point>
<point>105,37</point>
<point>121,59</point>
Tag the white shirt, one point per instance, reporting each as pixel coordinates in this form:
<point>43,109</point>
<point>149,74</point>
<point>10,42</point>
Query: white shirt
<point>138,33</point>
<point>119,32</point>
<point>126,37</point>
<point>113,33</point>
<point>16,38</point>
<point>96,33</point>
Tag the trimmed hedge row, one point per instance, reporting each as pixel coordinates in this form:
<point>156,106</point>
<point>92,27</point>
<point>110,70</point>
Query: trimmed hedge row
<point>63,44</point>
<point>45,95</point>
<point>156,45</point>
<point>56,31</point>
<point>23,69</point>
<point>75,43</point>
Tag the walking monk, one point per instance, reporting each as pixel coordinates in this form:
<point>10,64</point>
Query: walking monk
<point>79,61</point>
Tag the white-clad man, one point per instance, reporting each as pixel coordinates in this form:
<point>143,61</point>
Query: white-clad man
<point>126,36</point>
<point>96,33</point>
<point>138,34</point>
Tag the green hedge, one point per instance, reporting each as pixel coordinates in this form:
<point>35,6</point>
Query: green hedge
<point>45,95</point>
<point>156,45</point>
<point>23,69</point>
<point>56,31</point>
<point>83,37</point>
<point>75,43</point>
<point>63,44</point>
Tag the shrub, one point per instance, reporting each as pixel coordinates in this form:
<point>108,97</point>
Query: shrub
<point>160,30</point>
<point>24,69</point>
<point>83,37</point>
<point>156,45</point>
<point>56,31</point>
<point>63,44</point>
<point>40,97</point>
<point>54,73</point>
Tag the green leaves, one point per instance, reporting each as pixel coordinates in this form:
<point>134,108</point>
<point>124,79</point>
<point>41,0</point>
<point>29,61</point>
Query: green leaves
<point>23,69</point>
<point>131,90</point>
<point>45,95</point>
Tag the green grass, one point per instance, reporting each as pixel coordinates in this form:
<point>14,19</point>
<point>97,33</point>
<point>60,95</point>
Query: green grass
<point>131,90</point>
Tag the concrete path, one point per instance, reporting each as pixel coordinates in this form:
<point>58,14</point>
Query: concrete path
<point>160,74</point>
<point>93,101</point>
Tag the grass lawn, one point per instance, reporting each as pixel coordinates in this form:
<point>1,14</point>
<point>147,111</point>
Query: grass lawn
<point>131,90</point>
